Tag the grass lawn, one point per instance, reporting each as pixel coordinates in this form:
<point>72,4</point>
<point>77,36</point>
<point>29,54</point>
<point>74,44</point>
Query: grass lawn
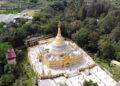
<point>29,12</point>
<point>8,11</point>
<point>111,68</point>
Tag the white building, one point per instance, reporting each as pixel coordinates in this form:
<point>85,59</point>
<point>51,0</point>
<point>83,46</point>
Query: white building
<point>7,18</point>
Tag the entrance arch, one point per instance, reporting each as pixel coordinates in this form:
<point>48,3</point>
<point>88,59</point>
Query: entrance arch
<point>67,63</point>
<point>67,60</point>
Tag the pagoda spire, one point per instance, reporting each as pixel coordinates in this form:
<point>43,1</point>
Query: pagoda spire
<point>59,40</point>
<point>59,30</point>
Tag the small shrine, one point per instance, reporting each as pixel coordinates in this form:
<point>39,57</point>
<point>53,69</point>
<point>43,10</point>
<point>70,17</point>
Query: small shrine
<point>11,56</point>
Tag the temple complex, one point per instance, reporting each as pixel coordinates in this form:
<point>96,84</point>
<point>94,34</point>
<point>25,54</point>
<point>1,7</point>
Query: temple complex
<point>57,59</point>
<point>59,53</point>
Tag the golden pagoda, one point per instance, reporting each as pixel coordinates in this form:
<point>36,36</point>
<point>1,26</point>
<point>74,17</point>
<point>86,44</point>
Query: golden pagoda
<point>60,52</point>
<point>58,46</point>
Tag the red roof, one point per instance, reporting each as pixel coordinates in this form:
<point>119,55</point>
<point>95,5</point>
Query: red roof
<point>10,53</point>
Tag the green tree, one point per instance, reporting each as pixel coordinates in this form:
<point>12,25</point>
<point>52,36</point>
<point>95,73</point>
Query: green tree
<point>90,11</point>
<point>50,28</point>
<point>107,23</point>
<point>81,37</point>
<point>115,34</point>
<point>73,27</point>
<point>106,47</point>
<point>9,68</point>
<point>40,16</point>
<point>23,83</point>
<point>89,83</point>
<point>7,79</point>
<point>17,37</point>
<point>117,52</point>
<point>97,8</point>
<point>94,37</point>
<point>3,49</point>
<point>1,24</point>
<point>27,28</point>
<point>89,23</point>
<point>58,5</point>
<point>82,13</point>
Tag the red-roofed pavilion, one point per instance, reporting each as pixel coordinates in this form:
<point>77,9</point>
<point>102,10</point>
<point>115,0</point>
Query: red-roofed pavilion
<point>11,56</point>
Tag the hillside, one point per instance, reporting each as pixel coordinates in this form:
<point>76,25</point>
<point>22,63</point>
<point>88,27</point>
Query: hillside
<point>37,4</point>
<point>25,4</point>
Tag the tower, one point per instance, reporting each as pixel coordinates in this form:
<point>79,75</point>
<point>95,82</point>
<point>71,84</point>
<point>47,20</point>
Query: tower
<point>59,40</point>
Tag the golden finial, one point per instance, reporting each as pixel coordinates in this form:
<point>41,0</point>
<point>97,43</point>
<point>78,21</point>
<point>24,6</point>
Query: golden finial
<point>59,29</point>
<point>59,40</point>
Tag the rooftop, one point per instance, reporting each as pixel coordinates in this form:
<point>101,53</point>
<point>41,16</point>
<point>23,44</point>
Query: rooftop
<point>10,54</point>
<point>7,18</point>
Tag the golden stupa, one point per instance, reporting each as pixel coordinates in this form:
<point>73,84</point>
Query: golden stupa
<point>60,52</point>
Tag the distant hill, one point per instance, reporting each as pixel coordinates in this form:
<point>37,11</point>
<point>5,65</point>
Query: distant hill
<point>23,4</point>
<point>37,4</point>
